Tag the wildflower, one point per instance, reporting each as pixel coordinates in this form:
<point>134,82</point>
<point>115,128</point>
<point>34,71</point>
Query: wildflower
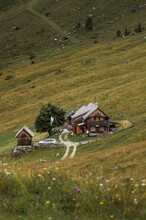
<point>101,184</point>
<point>5,164</point>
<point>131,179</point>
<point>53,178</point>
<point>102,177</point>
<point>49,218</point>
<point>112,216</point>
<point>39,175</point>
<point>49,187</point>
<point>43,161</point>
<point>101,203</point>
<point>47,202</point>
<point>143,184</point>
<point>135,201</point>
<point>44,168</point>
<point>6,172</point>
<point>78,189</point>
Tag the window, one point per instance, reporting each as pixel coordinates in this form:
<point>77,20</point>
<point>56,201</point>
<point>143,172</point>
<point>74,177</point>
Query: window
<point>102,118</point>
<point>92,129</point>
<point>101,129</point>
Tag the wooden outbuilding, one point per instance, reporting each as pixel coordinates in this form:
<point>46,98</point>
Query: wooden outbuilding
<point>24,136</point>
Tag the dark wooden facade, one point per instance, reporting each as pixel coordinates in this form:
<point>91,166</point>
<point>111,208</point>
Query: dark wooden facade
<point>97,122</point>
<point>24,137</point>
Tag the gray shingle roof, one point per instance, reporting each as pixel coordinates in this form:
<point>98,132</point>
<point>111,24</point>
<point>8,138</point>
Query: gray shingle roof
<point>70,114</point>
<point>85,110</point>
<point>92,107</point>
<point>26,129</point>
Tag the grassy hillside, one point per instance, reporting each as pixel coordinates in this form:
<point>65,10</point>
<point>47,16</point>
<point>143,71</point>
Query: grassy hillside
<point>114,74</point>
<point>29,27</point>
<point>5,5</point>
<point>46,56</point>
<point>87,187</point>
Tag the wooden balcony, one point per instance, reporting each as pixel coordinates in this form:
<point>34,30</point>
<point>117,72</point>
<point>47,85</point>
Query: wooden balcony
<point>93,123</point>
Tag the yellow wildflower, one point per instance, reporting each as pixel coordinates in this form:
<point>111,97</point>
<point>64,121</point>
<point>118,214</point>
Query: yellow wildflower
<point>112,216</point>
<point>47,202</point>
<point>101,203</point>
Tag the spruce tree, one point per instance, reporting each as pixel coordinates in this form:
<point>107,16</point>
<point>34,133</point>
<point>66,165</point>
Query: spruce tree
<point>126,32</point>
<point>138,29</point>
<point>89,24</point>
<point>119,34</point>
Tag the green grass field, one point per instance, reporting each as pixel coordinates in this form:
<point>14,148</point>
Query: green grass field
<point>44,58</point>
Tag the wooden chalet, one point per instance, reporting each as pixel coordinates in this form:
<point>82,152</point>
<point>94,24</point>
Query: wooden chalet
<point>24,136</point>
<point>90,119</point>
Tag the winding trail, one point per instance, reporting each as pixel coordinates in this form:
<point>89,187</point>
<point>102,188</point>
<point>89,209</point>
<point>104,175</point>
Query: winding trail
<point>49,21</point>
<point>68,145</point>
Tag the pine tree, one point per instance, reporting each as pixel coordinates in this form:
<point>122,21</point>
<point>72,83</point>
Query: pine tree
<point>89,24</point>
<point>126,32</point>
<point>119,34</point>
<point>138,29</point>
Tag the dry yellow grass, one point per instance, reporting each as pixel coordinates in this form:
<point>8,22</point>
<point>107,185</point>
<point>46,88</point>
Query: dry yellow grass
<point>74,77</point>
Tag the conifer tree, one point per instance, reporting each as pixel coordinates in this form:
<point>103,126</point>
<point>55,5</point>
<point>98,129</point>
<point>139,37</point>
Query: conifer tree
<point>89,24</point>
<point>119,34</point>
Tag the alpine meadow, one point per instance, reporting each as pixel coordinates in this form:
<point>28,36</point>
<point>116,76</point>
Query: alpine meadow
<point>68,55</point>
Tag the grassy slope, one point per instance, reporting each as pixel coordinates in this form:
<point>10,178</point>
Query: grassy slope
<point>97,71</point>
<point>68,78</point>
<point>74,75</point>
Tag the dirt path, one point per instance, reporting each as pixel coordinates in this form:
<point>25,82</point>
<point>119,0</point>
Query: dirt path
<point>49,21</point>
<point>68,145</point>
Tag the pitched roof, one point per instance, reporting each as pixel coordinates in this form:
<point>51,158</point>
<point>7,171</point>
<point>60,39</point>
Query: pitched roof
<point>26,129</point>
<point>70,114</point>
<point>92,108</point>
<point>85,110</point>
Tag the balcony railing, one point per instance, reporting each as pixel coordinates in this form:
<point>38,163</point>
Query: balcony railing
<point>93,123</point>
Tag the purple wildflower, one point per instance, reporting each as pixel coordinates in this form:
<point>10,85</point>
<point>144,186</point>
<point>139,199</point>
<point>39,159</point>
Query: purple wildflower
<point>102,177</point>
<point>78,189</point>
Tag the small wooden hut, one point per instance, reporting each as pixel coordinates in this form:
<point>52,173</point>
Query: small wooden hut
<point>24,136</point>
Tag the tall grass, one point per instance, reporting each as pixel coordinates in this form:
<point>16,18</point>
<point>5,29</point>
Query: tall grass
<point>91,195</point>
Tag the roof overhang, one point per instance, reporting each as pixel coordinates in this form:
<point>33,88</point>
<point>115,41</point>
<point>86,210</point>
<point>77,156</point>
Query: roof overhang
<point>82,123</point>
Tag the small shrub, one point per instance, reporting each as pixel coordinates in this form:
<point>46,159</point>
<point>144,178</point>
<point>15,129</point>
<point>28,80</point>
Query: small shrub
<point>126,32</point>
<point>138,28</point>
<point>119,34</point>
<point>89,24</point>
<point>32,56</point>
<point>8,77</point>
